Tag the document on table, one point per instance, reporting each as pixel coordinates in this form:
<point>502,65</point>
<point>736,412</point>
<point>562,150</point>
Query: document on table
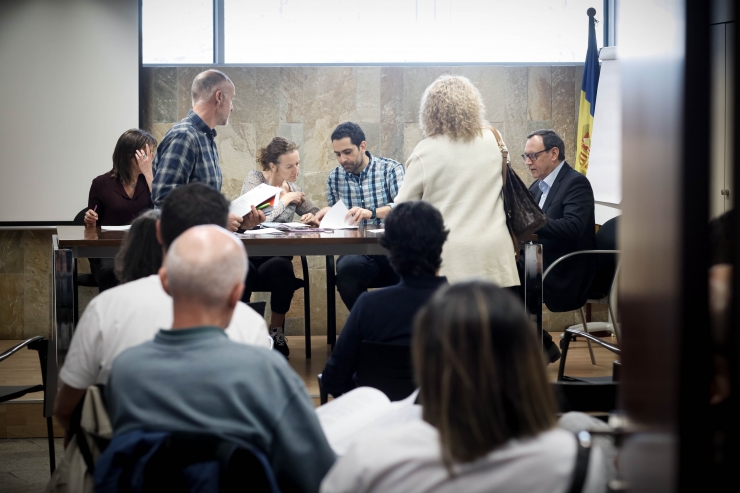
<point>335,218</point>
<point>261,231</point>
<point>259,195</point>
<point>293,225</point>
<point>116,228</point>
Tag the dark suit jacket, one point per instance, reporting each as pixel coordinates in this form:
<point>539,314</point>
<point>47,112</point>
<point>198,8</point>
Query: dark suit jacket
<point>570,227</point>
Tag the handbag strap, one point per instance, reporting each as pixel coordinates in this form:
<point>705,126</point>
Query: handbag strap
<point>583,454</point>
<point>504,152</point>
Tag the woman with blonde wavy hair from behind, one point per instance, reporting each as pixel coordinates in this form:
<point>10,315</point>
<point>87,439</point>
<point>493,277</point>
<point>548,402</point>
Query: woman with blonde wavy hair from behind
<point>457,168</point>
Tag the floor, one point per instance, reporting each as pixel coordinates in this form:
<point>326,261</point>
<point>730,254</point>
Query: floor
<point>24,462</point>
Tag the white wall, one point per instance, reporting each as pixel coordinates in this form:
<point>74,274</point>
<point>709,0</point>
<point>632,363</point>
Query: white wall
<point>69,87</point>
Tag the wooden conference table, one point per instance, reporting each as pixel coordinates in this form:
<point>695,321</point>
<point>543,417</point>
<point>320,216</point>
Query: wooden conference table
<point>73,242</point>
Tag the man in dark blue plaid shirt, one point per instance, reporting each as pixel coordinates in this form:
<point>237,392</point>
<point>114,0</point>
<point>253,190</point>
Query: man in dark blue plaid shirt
<point>188,151</point>
<point>367,185</point>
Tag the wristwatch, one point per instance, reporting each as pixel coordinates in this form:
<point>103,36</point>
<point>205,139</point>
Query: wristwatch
<point>372,211</point>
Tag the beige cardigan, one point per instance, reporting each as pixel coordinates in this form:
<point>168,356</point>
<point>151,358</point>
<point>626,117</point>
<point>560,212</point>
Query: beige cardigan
<point>463,180</point>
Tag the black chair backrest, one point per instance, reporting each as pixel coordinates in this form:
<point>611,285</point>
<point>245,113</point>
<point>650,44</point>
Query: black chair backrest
<point>234,465</point>
<point>79,219</point>
<point>606,265</point>
<point>258,306</point>
<point>586,397</point>
<point>386,367</point>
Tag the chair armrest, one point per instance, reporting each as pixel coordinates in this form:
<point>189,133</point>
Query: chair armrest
<point>573,254</point>
<point>580,333</point>
<point>18,347</point>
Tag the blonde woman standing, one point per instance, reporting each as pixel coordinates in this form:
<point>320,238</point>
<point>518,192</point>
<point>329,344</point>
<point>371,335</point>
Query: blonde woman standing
<point>457,168</point>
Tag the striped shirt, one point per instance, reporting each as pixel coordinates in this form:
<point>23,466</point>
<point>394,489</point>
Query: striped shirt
<point>186,154</point>
<point>376,186</point>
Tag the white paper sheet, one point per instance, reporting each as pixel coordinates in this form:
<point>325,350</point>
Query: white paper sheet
<point>262,231</point>
<point>116,228</point>
<point>335,218</point>
<point>360,411</point>
<point>376,230</point>
<point>243,205</point>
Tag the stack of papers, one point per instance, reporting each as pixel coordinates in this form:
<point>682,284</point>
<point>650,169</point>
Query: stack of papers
<point>116,228</point>
<point>335,218</point>
<point>263,195</point>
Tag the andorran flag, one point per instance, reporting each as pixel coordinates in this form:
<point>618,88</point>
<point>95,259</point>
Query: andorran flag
<point>588,97</point>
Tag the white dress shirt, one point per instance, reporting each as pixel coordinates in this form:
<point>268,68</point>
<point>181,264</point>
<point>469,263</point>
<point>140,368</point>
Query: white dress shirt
<point>547,182</point>
<point>129,315</point>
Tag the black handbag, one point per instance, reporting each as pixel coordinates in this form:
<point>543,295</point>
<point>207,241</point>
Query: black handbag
<point>523,215</point>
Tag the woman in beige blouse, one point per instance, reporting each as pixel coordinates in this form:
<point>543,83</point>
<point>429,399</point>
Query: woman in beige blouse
<point>280,163</point>
<point>457,168</point>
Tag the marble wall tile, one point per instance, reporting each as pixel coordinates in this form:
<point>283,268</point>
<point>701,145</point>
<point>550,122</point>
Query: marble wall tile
<point>294,133</point>
<point>37,283</point>
<point>265,103</point>
<point>372,136</point>
<point>368,94</point>
<point>563,113</point>
<point>11,252</point>
<point>291,94</point>
<point>244,85</point>
<point>162,93</point>
<point>237,152</point>
<point>578,80</point>
<point>415,81</point>
<point>159,130</point>
<point>515,136</point>
<point>538,125</point>
<point>185,76</point>
<point>411,137</point>
<point>492,87</point>
<point>314,186</point>
<point>330,99</point>
<point>539,93</point>
<point>516,92</point>
<point>391,113</point>
<point>11,308</point>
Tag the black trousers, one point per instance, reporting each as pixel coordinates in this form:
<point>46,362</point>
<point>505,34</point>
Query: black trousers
<point>102,270</point>
<point>273,274</point>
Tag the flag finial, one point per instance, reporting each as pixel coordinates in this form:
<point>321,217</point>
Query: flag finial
<point>591,12</point>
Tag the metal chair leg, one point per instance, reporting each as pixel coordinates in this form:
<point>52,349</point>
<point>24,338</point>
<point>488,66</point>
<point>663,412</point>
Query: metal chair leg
<point>52,455</point>
<point>306,306</point>
<point>585,329</point>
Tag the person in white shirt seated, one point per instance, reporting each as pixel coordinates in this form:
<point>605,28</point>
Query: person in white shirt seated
<point>489,414</point>
<point>132,313</point>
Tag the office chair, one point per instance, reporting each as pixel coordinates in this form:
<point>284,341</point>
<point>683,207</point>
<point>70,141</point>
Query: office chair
<point>80,279</point>
<point>305,284</point>
<point>603,286</point>
<point>586,394</point>
<point>8,393</point>
<point>386,367</point>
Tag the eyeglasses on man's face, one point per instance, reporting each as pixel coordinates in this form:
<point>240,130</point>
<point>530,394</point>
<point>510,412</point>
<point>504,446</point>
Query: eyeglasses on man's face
<point>533,155</point>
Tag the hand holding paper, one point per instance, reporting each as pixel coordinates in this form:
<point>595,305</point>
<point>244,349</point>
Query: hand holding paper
<point>336,218</point>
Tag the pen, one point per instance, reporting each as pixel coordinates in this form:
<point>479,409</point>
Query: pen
<point>95,208</point>
<point>263,206</point>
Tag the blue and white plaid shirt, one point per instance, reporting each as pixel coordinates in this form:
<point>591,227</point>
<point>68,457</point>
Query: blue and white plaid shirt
<point>186,154</point>
<point>376,186</point>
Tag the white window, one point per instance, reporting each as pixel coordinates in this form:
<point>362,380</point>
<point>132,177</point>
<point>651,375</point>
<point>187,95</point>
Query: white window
<point>177,31</point>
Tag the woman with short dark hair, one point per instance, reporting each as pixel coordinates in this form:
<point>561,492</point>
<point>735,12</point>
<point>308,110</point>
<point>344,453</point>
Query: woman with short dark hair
<point>488,410</point>
<point>140,254</point>
<point>120,195</point>
<point>414,236</point>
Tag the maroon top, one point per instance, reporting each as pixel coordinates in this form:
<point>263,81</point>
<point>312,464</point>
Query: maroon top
<point>115,208</point>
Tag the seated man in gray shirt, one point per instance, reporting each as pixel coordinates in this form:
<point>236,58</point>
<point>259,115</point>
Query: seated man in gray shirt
<point>193,378</point>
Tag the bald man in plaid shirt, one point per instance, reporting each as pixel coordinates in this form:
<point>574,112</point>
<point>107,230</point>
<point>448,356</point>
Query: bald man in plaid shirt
<point>367,185</point>
<point>188,151</point>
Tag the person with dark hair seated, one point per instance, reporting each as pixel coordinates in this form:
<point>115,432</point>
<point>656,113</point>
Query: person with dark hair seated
<point>140,254</point>
<point>414,237</point>
<point>132,313</point>
<point>488,412</point>
<point>117,197</point>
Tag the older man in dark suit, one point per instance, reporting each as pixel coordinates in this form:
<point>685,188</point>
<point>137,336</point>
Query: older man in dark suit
<point>567,199</point>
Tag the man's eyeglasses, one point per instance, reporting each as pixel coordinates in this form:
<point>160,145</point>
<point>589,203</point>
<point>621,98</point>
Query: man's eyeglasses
<point>533,155</point>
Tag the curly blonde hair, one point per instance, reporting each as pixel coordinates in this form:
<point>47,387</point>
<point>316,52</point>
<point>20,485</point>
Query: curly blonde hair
<point>452,106</point>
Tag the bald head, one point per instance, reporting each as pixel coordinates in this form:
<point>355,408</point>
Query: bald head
<point>207,83</point>
<point>204,265</point>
